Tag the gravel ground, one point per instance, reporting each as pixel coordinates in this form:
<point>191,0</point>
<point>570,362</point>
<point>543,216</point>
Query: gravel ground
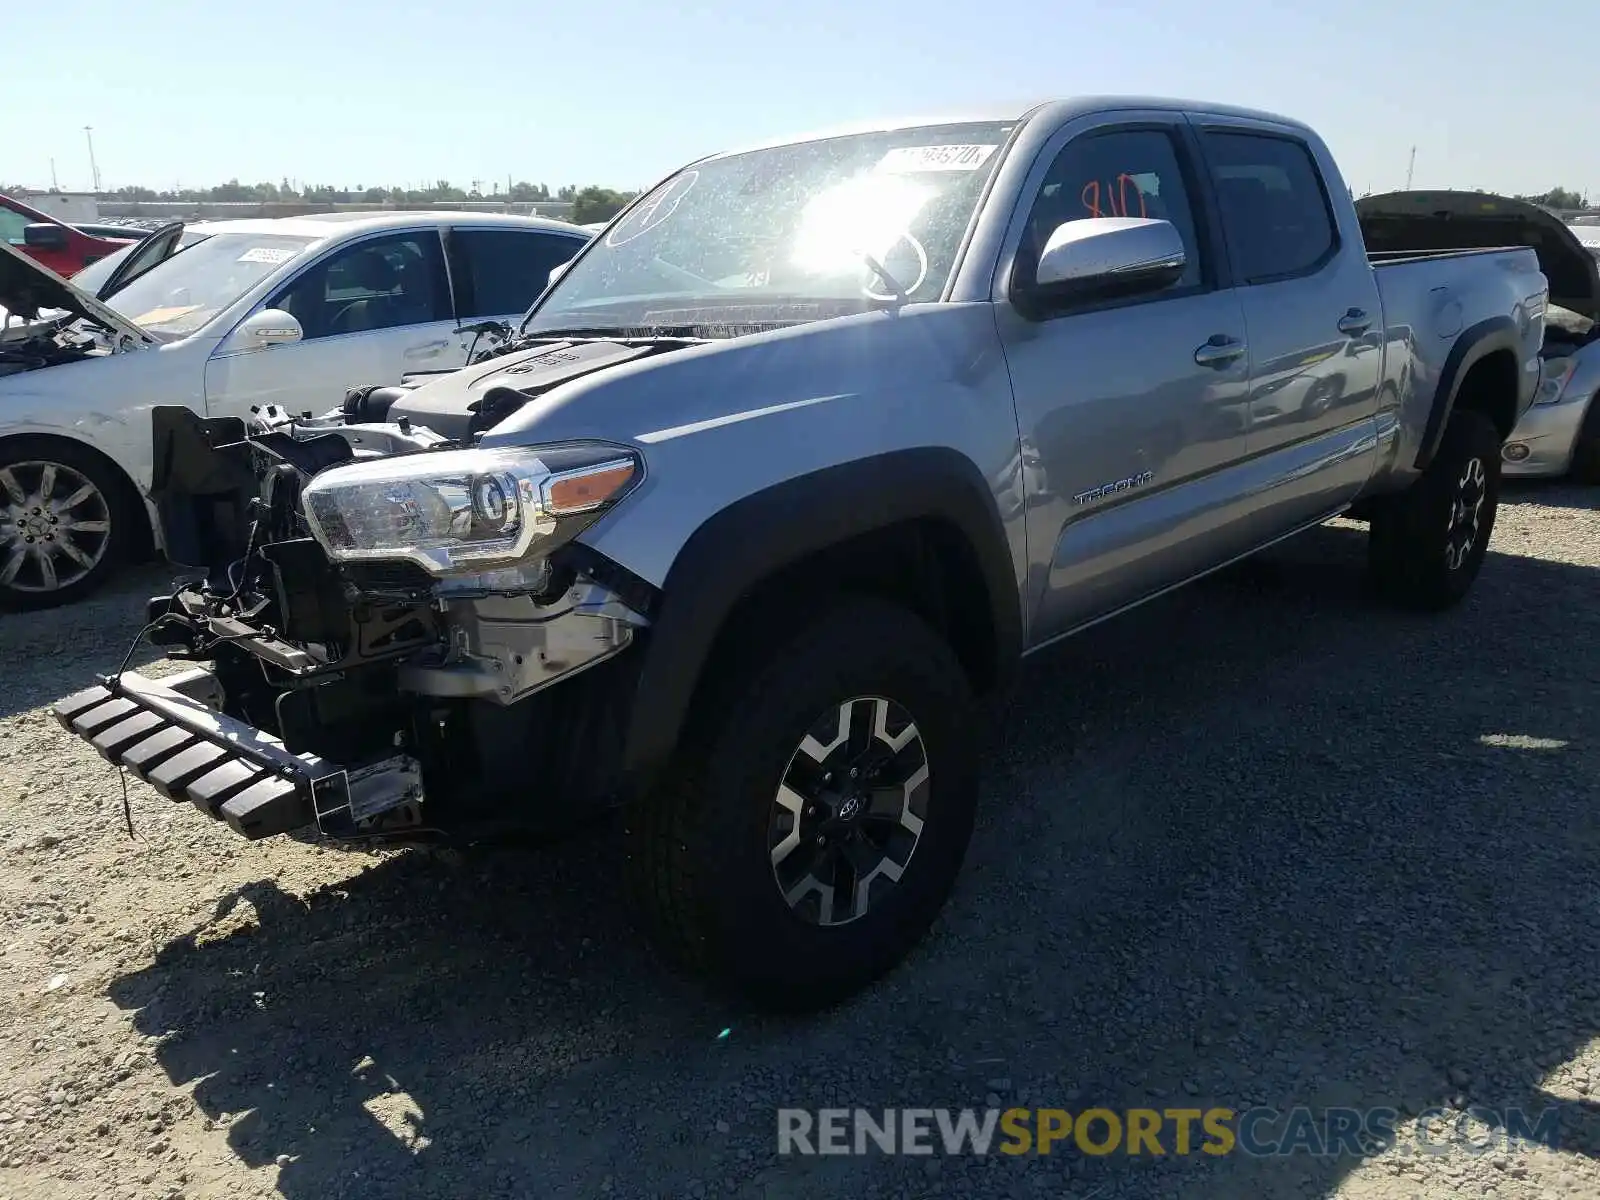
<point>1259,843</point>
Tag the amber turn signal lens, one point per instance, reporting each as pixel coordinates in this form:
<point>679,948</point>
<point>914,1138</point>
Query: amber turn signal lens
<point>581,491</point>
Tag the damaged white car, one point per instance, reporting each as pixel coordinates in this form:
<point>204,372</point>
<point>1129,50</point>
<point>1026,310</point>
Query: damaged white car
<point>222,318</point>
<point>1560,434</point>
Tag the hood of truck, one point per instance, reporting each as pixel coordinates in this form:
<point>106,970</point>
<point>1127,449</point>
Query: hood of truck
<point>479,396</point>
<point>1421,221</point>
<point>27,289</point>
<point>634,390</point>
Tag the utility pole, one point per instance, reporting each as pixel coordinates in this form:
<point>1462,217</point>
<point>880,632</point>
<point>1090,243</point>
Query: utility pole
<point>1411,168</point>
<point>55,184</point>
<point>94,170</point>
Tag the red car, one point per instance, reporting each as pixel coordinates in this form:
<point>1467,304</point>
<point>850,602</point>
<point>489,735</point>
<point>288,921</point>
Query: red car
<point>60,247</point>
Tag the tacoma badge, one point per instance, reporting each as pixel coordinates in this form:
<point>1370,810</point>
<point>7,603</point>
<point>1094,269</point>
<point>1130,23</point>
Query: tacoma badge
<point>1120,485</point>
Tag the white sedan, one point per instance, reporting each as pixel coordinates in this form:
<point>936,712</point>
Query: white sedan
<point>222,316</point>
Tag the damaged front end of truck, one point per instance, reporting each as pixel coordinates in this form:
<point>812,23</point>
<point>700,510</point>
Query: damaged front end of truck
<point>378,616</point>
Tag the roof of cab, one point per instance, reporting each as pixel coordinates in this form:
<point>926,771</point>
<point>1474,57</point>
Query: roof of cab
<point>327,225</point>
<point>1052,111</point>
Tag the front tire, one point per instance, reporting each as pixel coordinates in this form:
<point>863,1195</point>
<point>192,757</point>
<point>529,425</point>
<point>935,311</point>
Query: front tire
<point>819,814</point>
<point>1428,543</point>
<point>66,523</point>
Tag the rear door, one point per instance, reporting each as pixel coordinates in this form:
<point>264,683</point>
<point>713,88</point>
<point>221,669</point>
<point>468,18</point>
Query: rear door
<point>370,310</point>
<point>1311,302</point>
<point>497,272</point>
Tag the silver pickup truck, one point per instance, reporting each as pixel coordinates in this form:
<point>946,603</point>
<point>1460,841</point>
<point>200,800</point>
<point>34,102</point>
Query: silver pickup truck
<point>782,475</point>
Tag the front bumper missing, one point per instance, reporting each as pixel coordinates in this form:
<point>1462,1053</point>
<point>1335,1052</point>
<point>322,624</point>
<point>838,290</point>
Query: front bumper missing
<point>164,732</point>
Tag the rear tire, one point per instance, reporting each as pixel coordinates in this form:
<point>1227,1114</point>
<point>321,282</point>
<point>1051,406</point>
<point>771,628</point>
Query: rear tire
<point>747,864</point>
<point>1586,450</point>
<point>1428,543</point>
<point>67,523</point>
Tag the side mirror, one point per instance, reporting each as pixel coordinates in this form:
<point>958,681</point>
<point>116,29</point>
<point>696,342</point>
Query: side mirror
<point>269,327</point>
<point>557,272</point>
<point>1102,258</point>
<point>45,236</point>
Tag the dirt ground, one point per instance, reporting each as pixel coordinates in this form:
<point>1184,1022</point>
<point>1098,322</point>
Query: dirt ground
<point>1258,843</point>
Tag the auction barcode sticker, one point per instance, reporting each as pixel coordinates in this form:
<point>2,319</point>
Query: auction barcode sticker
<point>267,254</point>
<point>936,158</point>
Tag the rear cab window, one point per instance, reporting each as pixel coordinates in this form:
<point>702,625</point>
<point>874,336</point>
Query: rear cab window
<point>1274,205</point>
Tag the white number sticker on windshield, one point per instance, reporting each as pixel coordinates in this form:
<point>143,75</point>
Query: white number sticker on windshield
<point>267,254</point>
<point>936,158</point>
<point>652,211</point>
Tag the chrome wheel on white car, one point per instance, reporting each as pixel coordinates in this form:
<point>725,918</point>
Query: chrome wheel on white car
<point>59,534</point>
<point>54,528</point>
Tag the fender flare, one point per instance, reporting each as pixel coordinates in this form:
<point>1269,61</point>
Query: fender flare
<point>1475,343</point>
<point>745,543</point>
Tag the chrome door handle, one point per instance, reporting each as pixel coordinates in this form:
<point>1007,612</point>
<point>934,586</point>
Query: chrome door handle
<point>427,350</point>
<point>1354,323</point>
<point>1219,351</point>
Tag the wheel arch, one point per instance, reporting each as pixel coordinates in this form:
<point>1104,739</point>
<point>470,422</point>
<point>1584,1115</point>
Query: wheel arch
<point>1480,373</point>
<point>919,526</point>
<point>144,544</point>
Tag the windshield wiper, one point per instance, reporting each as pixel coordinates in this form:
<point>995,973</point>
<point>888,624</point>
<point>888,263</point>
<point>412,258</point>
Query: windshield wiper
<point>616,333</point>
<point>888,280</point>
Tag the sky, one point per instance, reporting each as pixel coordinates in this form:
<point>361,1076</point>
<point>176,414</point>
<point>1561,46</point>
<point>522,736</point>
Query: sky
<point>396,92</point>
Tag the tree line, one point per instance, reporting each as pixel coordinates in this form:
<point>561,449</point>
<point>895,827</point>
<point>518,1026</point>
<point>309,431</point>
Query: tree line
<point>1559,198</point>
<point>591,203</point>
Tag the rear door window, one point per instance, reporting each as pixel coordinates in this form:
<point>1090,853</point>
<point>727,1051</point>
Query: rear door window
<point>502,271</point>
<point>1275,211</point>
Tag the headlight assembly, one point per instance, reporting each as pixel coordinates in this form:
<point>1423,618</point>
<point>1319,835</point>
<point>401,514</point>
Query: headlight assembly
<point>466,509</point>
<point>1553,376</point>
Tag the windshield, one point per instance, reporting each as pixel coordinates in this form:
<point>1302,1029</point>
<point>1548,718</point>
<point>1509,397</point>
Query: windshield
<point>180,295</point>
<point>93,277</point>
<point>785,234</point>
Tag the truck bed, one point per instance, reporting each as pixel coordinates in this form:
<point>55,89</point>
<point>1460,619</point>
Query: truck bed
<point>1432,298</point>
<point>1388,258</point>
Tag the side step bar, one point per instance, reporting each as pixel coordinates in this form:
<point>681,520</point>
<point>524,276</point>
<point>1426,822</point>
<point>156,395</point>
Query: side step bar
<point>162,732</point>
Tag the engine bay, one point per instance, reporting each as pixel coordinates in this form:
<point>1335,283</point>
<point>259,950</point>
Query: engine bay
<point>44,344</point>
<point>396,673</point>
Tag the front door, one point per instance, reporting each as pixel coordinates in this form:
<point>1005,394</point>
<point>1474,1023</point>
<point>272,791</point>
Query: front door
<point>1132,411</point>
<point>370,312</point>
